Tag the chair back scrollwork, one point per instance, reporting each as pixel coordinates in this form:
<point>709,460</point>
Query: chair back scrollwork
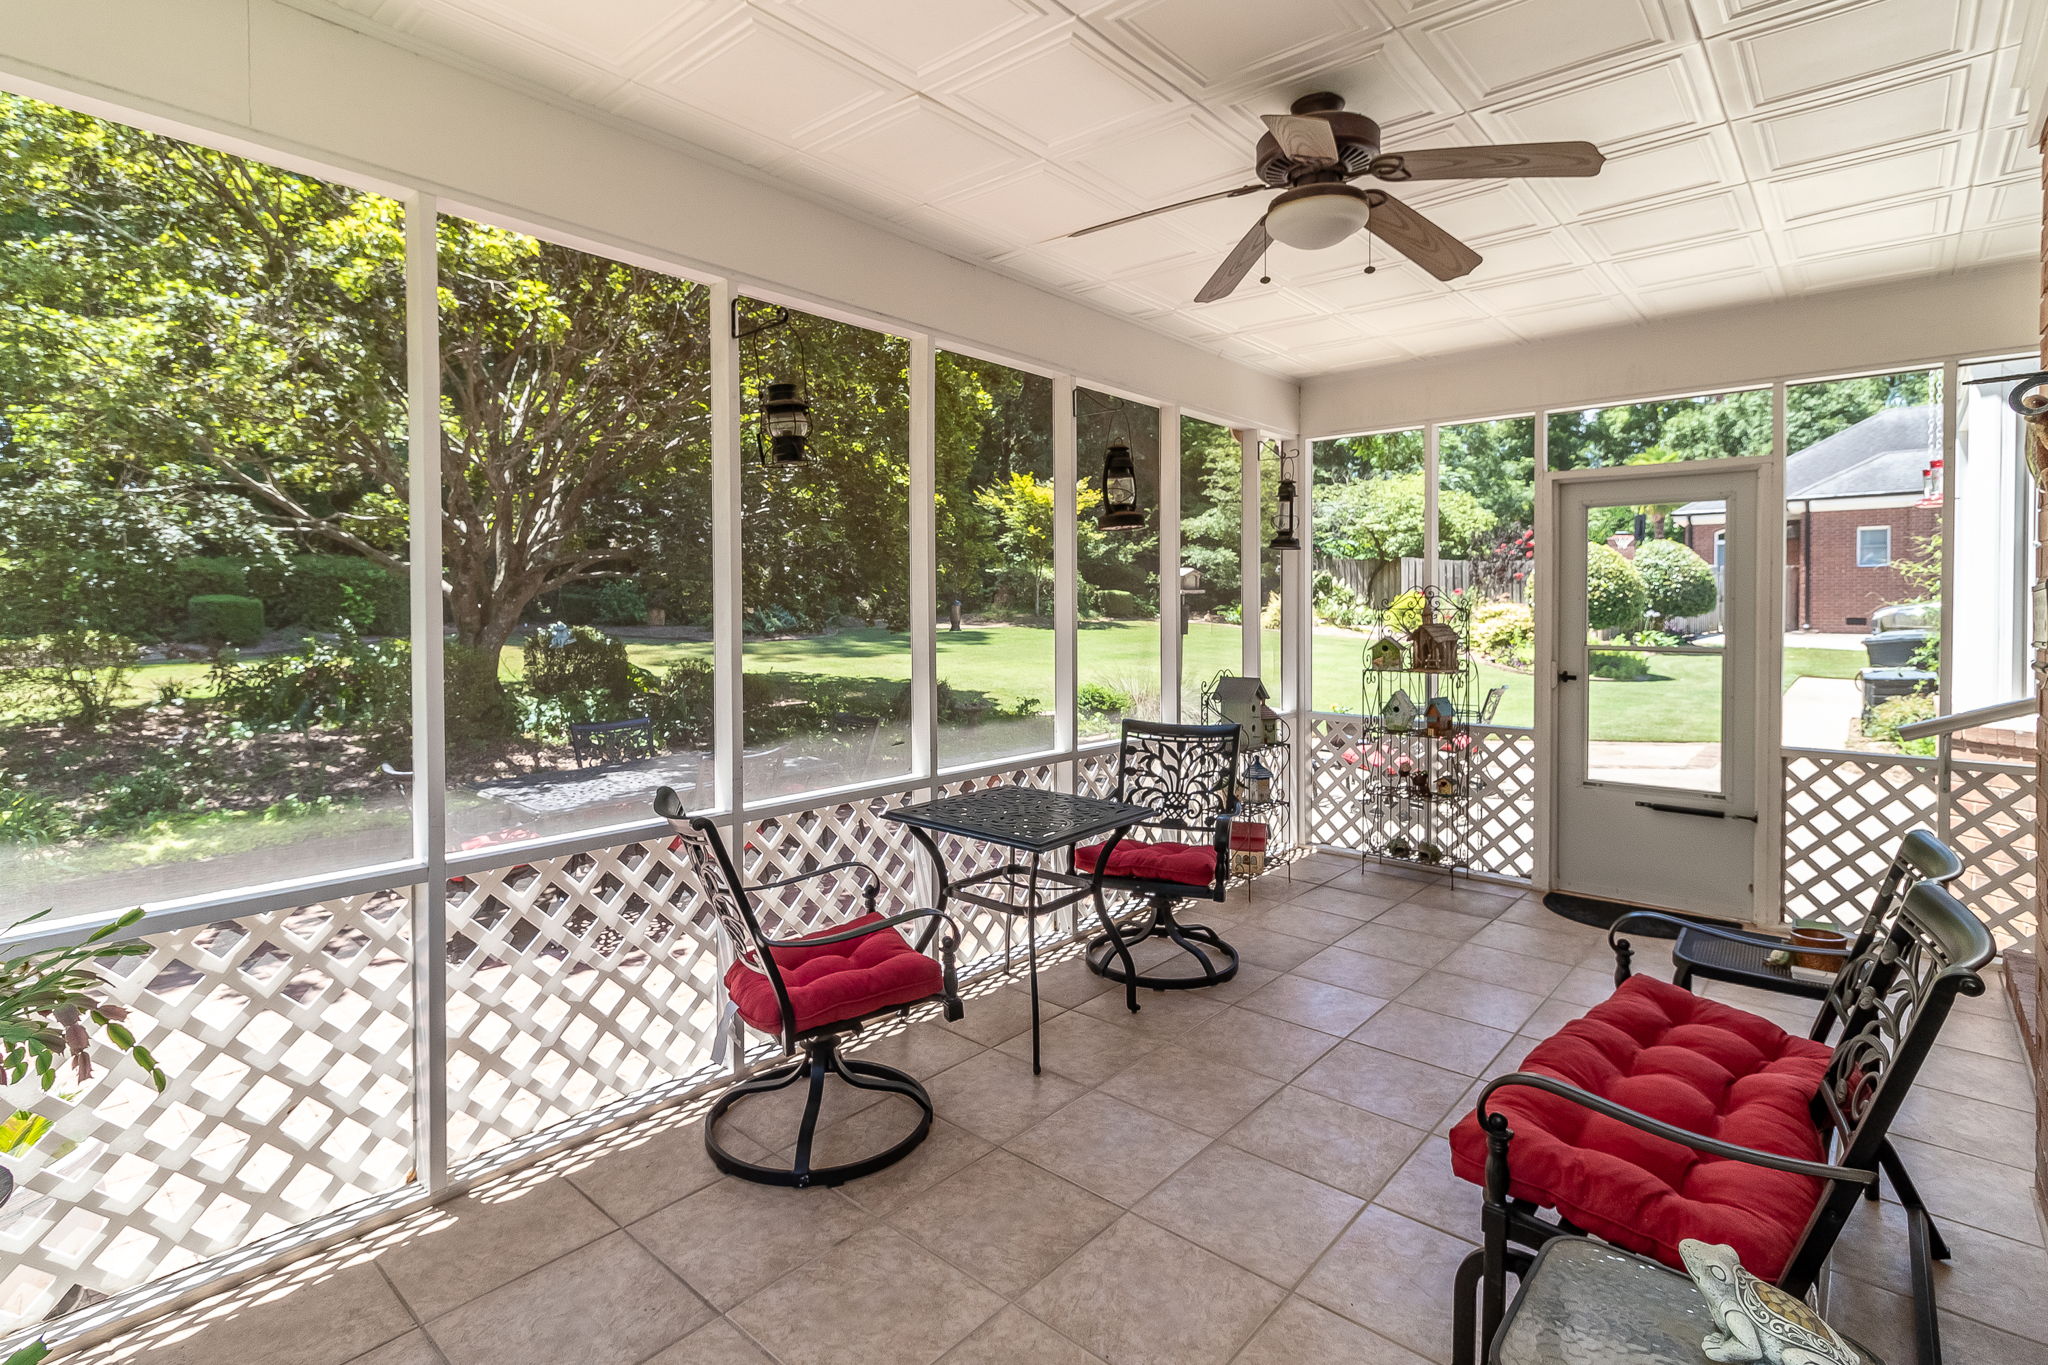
<point>1895,994</point>
<point>1185,774</point>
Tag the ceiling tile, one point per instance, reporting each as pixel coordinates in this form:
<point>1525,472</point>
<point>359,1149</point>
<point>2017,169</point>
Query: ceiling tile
<point>1539,291</point>
<point>1463,336</point>
<point>1258,308</point>
<point>2015,201</point>
<point>1573,317</point>
<point>1102,255</point>
<point>1716,292</point>
<point>1361,351</point>
<point>1897,175</point>
<point>1484,210</point>
<point>611,32</point>
<point>915,37</point>
<point>1061,94</point>
<point>1211,45</point>
<point>1671,95</point>
<point>1418,316</point>
<point>2009,151</point>
<point>1181,157</point>
<point>1926,107</point>
<point>1175,286</point>
<point>1867,228</point>
<point>1736,256</point>
<point>1722,214</point>
<point>1505,47</point>
<point>1389,284</point>
<point>1537,254</point>
<point>1909,258</point>
<point>1718,16</point>
<point>1033,206</point>
<point>920,149</point>
<point>2018,241</point>
<point>1817,50</point>
<point>1320,331</point>
<point>1688,166</point>
<point>723,76</point>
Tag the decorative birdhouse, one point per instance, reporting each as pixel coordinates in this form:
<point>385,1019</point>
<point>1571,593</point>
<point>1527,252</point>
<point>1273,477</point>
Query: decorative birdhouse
<point>1258,781</point>
<point>1269,725</point>
<point>1239,701</point>
<point>1385,652</point>
<point>1439,718</point>
<point>1435,647</point>
<point>1400,713</point>
<point>1248,842</point>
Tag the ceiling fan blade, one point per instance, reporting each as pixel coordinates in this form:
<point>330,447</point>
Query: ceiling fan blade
<point>1237,264</point>
<point>1169,208</point>
<point>1303,139</point>
<point>1420,240</point>
<point>1526,159</point>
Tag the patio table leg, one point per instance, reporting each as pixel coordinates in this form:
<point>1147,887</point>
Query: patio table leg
<point>1031,952</point>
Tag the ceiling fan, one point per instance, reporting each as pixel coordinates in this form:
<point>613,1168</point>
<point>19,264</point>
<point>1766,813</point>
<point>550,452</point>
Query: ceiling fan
<point>1313,151</point>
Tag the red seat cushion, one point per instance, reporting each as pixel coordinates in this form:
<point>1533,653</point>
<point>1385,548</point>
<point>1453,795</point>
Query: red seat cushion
<point>1705,1067</point>
<point>1165,861</point>
<point>834,981</point>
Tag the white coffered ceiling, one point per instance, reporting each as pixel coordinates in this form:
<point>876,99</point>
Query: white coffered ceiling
<point>1758,148</point>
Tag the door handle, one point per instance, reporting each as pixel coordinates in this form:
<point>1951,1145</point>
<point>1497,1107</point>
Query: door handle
<point>1567,677</point>
<point>1663,809</point>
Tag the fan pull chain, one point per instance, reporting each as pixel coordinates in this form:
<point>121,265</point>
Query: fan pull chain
<point>1370,268</point>
<point>1266,266</point>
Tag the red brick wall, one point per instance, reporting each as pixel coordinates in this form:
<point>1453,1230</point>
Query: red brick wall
<point>1840,590</point>
<point>1842,596</point>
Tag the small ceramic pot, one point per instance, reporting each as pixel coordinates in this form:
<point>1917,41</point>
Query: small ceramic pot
<point>1817,938</point>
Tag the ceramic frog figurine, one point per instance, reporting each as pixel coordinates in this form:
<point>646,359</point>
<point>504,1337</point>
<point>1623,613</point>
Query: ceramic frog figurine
<point>1760,1323</point>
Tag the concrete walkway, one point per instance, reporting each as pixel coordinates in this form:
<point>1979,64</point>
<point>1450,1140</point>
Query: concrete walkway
<point>1821,713</point>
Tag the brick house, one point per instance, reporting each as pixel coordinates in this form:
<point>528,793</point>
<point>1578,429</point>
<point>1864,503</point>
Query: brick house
<point>1856,506</point>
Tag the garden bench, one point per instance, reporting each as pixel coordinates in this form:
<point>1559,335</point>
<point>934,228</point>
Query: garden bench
<point>612,741</point>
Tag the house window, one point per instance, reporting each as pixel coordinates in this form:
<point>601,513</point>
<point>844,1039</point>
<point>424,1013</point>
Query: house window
<point>1873,547</point>
<point>1720,549</point>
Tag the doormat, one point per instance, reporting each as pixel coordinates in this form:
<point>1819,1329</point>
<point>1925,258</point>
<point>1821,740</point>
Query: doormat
<point>1602,914</point>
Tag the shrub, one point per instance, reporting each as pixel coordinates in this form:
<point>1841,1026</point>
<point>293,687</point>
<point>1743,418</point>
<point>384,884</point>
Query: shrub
<point>131,801</point>
<point>680,705</point>
<point>323,591</point>
<point>1615,598</point>
<point>565,661</point>
<point>29,817</point>
<point>1885,718</point>
<point>1622,665</point>
<point>1101,699</point>
<point>1118,605</point>
<point>1335,604</point>
<point>1676,581</point>
<point>346,684</point>
<point>621,603</point>
<point>209,576</point>
<point>482,710</point>
<point>1505,631</point>
<point>222,616</point>
<point>79,672</point>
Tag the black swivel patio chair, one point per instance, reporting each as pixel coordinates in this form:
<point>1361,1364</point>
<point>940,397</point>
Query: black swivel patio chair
<point>1741,957</point>
<point>1603,1123</point>
<point>810,991</point>
<point>1186,775</point>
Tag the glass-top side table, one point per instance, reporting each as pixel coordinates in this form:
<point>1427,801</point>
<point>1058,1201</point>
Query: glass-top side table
<point>1033,822</point>
<point>1586,1303</point>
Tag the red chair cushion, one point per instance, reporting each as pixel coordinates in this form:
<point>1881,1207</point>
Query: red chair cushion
<point>1165,861</point>
<point>1705,1067</point>
<point>834,981</point>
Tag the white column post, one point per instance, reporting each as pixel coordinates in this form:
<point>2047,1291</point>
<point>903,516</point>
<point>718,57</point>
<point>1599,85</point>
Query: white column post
<point>1171,606</point>
<point>727,723</point>
<point>1429,500</point>
<point>1951,550</point>
<point>1250,557</point>
<point>924,585</point>
<point>1297,645</point>
<point>1066,566</point>
<point>429,731</point>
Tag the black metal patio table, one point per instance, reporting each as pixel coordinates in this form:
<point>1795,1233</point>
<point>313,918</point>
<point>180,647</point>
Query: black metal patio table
<point>1033,822</point>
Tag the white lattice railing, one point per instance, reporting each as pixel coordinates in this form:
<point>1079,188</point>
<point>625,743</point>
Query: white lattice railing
<point>1844,813</point>
<point>574,983</point>
<point>287,1038</point>
<point>1494,832</point>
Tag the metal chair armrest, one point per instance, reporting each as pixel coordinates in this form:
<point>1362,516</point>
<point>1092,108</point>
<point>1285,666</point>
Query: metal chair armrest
<point>862,930</point>
<point>872,877</point>
<point>1733,935</point>
<point>1685,1137</point>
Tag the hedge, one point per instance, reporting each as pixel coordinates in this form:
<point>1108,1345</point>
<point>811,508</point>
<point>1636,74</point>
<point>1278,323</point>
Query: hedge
<point>1678,582</point>
<point>1615,599</point>
<point>311,595</point>
<point>224,616</point>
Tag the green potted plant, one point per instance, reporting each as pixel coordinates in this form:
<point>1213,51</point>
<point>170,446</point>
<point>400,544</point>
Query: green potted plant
<point>51,1003</point>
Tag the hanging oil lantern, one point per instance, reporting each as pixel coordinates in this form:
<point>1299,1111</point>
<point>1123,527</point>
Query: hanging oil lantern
<point>1120,511</point>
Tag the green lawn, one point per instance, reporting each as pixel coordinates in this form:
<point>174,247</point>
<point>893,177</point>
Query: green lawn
<point>1011,663</point>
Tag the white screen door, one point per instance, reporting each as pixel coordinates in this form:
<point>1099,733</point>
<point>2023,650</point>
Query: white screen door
<point>1656,784</point>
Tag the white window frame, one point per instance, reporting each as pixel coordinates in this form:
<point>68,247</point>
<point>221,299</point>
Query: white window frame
<point>1721,548</point>
<point>1886,563</point>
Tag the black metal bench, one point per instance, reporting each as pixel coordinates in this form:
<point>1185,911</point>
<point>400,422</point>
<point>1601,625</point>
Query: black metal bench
<point>612,741</point>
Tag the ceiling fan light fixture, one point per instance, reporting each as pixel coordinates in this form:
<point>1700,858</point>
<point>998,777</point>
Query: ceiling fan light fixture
<point>1312,217</point>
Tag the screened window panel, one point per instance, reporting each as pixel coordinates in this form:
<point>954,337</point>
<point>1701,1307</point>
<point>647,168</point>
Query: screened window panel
<point>1369,549</point>
<point>1117,642</point>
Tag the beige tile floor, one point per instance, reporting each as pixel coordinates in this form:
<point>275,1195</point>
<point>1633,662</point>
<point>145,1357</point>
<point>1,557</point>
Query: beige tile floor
<point>1252,1173</point>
